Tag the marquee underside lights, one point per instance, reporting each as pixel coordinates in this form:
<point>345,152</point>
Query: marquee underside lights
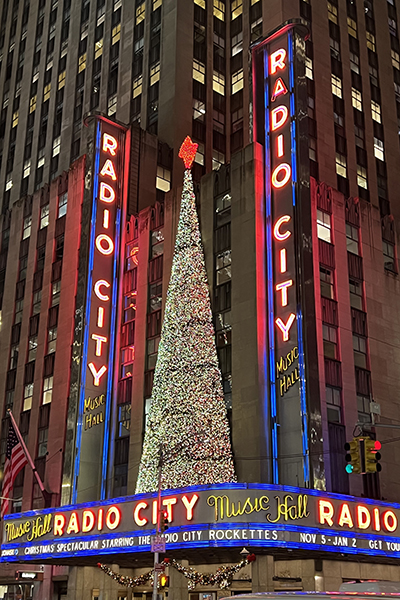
<point>255,515</point>
<point>279,125</point>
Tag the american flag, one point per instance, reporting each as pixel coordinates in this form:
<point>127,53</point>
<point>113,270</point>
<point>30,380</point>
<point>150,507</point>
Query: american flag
<point>15,461</point>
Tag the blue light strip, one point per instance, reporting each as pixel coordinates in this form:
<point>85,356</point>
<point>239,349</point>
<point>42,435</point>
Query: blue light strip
<point>270,411</point>
<point>87,315</point>
<point>342,548</point>
<point>107,412</point>
<point>303,398</point>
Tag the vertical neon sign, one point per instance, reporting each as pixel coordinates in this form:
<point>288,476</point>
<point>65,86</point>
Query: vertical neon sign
<point>100,314</point>
<point>278,126</point>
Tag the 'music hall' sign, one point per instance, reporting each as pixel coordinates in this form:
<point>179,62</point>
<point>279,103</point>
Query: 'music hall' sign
<point>207,516</point>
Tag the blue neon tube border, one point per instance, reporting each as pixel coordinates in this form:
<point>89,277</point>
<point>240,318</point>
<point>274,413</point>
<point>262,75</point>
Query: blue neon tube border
<point>87,315</point>
<point>270,284</point>
<point>303,400</point>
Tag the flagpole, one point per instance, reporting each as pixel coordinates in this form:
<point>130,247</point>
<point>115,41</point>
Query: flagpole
<point>45,493</point>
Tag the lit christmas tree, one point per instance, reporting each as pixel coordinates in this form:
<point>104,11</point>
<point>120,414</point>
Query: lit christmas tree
<point>187,423</point>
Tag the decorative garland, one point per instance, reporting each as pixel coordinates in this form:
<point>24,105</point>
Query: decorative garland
<point>222,577</point>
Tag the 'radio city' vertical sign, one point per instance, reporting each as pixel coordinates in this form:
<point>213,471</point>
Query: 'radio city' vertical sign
<point>280,122</point>
<point>100,315</point>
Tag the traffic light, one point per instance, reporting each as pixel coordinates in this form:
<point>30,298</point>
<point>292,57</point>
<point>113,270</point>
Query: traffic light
<point>163,580</point>
<point>372,456</point>
<point>353,457</point>
<point>163,521</point>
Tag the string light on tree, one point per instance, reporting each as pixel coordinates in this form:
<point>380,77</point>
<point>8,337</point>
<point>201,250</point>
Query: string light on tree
<point>187,420</point>
<point>222,578</point>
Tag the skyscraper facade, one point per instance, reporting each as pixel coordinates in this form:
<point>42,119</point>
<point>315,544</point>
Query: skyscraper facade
<point>146,74</point>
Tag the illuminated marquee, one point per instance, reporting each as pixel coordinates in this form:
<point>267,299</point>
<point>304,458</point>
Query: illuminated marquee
<point>261,516</point>
<point>278,72</point>
<point>96,390</point>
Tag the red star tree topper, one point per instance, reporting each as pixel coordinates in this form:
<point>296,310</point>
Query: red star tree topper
<point>187,152</point>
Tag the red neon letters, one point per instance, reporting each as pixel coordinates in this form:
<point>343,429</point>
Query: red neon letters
<point>281,177</point>
<point>360,516</point>
<point>104,249</point>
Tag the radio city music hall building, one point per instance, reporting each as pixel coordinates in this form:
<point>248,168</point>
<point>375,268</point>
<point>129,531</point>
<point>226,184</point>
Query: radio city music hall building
<point>299,232</point>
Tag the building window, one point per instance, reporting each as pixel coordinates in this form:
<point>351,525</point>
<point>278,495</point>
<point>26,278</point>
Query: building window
<point>9,183</point>
<point>341,166</point>
<point>124,419</point>
<point>116,33</point>
<point>199,158</point>
<point>46,92</point>
<point>326,282</point>
<point>312,149</point>
<point>356,98</point>
<point>28,395</point>
<point>332,12</point>
<point>370,41</point>
<point>223,267</point>
<point>389,256</point>
<point>362,177</point>
<point>395,59</point>
<point>44,216</point>
<point>98,49</point>
<point>19,307</point>
<point>36,302</point>
<point>354,62</point>
<point>26,232</point>
<point>336,86</point>
<point>157,243</point>
<point>137,86</point>
<point>43,434</point>
<point>27,168</point>
<point>155,296</point>
<point>130,306</point>
<point>219,10</point>
<point>351,27</point>
<point>140,13</point>
<point>359,136</point>
<point>15,119</point>
<point>23,265</point>
<point>62,205</point>
<point>333,404</point>
<point>163,179</point>
<point>61,79</point>
<point>155,73</point>
<point>51,340</point>
<point>82,62</point>
<point>127,358</point>
<point>201,3</point>
<point>112,105</point>
<point>376,111</point>
<point>56,145</point>
<point>309,68</point>
<point>363,407</point>
<point>237,43</point>
<point>360,351</point>
<point>32,104</point>
<point>219,83</point>
<point>152,350</point>
<point>237,81</point>
<point>356,294</point>
<point>199,71</point>
<point>323,225</point>
<point>378,149</point>
<point>55,292</point>
<point>47,389</point>
<point>329,335</point>
<point>218,159</point>
<point>236,8</point>
<point>40,258</point>
<point>14,352</point>
<point>352,239</point>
